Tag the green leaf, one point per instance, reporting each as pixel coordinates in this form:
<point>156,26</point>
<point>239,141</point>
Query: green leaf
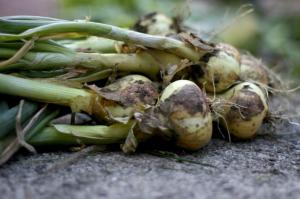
<point>8,118</point>
<point>3,106</point>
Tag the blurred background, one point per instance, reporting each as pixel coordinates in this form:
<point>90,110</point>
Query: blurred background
<point>269,29</point>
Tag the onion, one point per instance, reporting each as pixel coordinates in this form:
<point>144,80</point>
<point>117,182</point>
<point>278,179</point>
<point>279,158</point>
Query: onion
<point>182,116</point>
<point>221,68</point>
<point>242,110</point>
<point>253,69</point>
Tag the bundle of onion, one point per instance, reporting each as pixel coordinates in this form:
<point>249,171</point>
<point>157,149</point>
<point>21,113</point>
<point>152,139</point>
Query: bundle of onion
<point>181,116</point>
<point>242,109</point>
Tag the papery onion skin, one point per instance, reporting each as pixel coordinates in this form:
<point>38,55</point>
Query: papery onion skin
<point>125,96</point>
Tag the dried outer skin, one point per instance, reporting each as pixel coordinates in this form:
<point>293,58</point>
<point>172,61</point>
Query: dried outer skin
<point>195,41</point>
<point>221,68</point>
<point>125,96</point>
<point>247,111</point>
<point>131,90</point>
<point>253,69</point>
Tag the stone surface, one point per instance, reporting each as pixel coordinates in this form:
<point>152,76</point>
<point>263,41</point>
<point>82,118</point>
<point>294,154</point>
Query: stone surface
<point>266,167</point>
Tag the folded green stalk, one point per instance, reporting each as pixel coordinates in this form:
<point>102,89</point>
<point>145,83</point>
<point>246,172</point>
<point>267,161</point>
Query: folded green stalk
<point>111,32</point>
<point>75,134</point>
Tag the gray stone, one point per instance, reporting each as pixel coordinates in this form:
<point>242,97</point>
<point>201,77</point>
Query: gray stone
<point>266,167</point>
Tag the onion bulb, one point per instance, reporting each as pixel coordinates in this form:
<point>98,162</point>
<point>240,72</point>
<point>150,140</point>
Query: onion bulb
<point>221,68</point>
<point>128,94</point>
<point>242,110</point>
<point>182,115</point>
<point>253,69</point>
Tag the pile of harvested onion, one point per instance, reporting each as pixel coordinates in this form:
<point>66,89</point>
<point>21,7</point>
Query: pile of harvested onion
<point>162,82</point>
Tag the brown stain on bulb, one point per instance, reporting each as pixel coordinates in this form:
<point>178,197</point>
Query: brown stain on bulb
<point>195,41</point>
<point>187,103</point>
<point>135,93</point>
<point>139,93</point>
<point>195,102</point>
<point>248,105</point>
